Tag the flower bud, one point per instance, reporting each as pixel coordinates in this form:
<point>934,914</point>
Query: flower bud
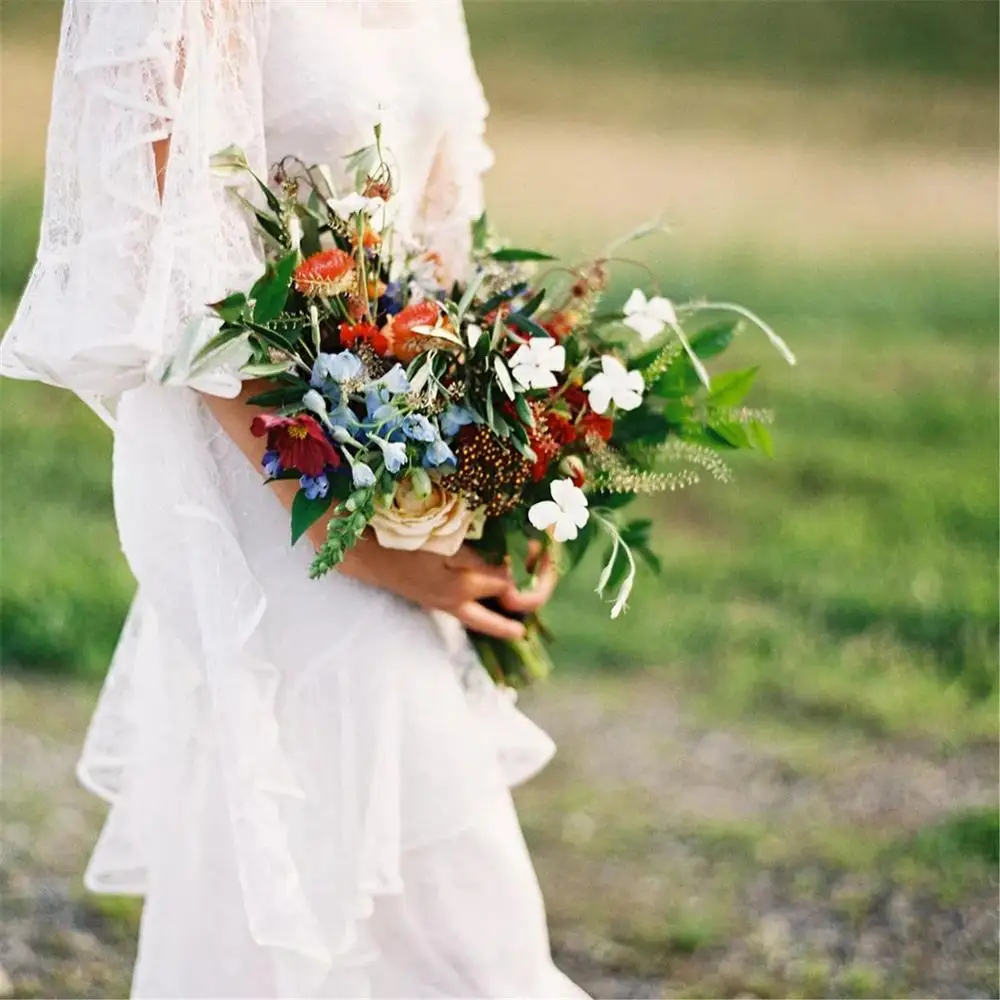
<point>572,467</point>
<point>421,483</point>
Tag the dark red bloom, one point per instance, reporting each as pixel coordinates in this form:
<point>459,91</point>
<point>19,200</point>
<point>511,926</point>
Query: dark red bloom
<point>598,425</point>
<point>551,433</point>
<point>367,333</point>
<point>299,442</point>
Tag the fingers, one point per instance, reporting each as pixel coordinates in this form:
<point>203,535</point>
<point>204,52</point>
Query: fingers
<point>526,601</point>
<point>475,584</point>
<point>480,619</point>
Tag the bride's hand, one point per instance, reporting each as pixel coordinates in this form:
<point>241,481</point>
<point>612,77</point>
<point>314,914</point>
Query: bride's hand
<point>455,584</point>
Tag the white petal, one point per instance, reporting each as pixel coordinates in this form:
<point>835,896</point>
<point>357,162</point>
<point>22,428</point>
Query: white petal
<point>635,303</point>
<point>544,514</point>
<point>542,378</point>
<point>645,325</point>
<point>555,358</point>
<point>662,309</point>
<point>522,356</point>
<point>626,399</point>
<point>523,374</point>
<point>563,492</point>
<point>580,516</point>
<point>565,529</point>
<point>599,393</point>
<point>473,333</point>
<point>612,367</point>
<point>633,381</point>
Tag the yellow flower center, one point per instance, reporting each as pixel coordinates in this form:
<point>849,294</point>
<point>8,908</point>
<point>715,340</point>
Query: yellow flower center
<point>298,431</point>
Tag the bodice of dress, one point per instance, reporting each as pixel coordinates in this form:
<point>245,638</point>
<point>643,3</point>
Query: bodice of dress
<point>334,69</point>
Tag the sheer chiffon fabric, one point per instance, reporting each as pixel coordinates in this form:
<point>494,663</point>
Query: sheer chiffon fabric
<point>309,780</point>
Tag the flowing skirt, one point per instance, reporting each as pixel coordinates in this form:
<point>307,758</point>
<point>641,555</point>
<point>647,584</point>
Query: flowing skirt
<point>309,779</point>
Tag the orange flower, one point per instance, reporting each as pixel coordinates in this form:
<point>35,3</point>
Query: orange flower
<point>404,342</point>
<point>329,273</point>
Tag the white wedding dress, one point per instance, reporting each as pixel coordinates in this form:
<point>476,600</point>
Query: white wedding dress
<point>309,780</point>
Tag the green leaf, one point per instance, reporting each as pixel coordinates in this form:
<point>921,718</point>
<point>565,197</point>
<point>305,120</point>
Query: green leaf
<point>761,437</point>
<point>509,255</point>
<point>527,325</point>
<point>269,196</point>
<point>503,376</point>
<point>225,336</point>
<point>306,512</point>
<point>271,293</point>
<point>524,411</point>
<point>530,308</point>
<point>231,308</point>
<point>278,397</point>
<point>650,558</point>
<point>267,370</point>
<point>714,339</point>
<point>480,232</point>
<point>730,388</point>
<point>735,435</point>
<point>470,294</point>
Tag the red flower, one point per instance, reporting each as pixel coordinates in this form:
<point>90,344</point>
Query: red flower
<point>551,433</point>
<point>367,333</point>
<point>598,425</point>
<point>586,420</point>
<point>299,442</point>
<point>329,272</point>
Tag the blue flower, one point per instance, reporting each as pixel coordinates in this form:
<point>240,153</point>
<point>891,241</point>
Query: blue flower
<point>395,380</point>
<point>393,454</point>
<point>392,299</point>
<point>362,475</point>
<point>315,487</point>
<point>438,453</point>
<point>342,367</point>
<point>454,419</point>
<point>272,464</point>
<point>419,428</point>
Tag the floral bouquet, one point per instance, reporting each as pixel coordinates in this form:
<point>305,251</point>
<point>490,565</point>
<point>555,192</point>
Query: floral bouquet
<point>506,410</point>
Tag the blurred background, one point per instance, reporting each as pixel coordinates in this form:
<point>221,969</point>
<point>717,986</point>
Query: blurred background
<point>778,772</point>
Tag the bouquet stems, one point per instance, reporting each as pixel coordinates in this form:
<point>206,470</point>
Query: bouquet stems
<point>519,662</point>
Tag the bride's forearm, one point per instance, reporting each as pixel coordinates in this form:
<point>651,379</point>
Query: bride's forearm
<point>234,416</point>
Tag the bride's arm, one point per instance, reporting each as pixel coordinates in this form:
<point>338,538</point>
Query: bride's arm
<point>455,584</point>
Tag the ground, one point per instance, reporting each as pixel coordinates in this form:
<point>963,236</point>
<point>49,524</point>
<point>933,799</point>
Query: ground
<point>677,859</point>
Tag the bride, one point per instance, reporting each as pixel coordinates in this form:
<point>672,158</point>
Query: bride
<point>309,780</point>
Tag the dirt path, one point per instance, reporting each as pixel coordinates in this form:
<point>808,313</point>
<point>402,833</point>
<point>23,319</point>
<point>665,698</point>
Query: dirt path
<point>677,859</point>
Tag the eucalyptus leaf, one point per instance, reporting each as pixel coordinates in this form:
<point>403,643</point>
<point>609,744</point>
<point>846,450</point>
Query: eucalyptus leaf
<point>503,376</point>
<point>267,370</point>
<point>527,325</point>
<point>510,255</point>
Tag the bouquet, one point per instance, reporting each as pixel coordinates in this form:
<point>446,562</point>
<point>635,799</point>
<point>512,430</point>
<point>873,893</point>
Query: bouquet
<point>508,410</point>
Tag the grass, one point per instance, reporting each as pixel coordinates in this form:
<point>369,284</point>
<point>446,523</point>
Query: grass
<point>849,582</point>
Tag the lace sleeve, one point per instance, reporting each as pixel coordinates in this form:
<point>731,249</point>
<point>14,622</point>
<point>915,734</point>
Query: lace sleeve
<point>120,273</point>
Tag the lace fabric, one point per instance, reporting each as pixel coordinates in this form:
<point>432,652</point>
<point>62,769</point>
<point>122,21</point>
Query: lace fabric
<point>306,731</point>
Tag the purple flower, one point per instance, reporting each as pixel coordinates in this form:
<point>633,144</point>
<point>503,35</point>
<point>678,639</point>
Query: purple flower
<point>272,464</point>
<point>315,487</point>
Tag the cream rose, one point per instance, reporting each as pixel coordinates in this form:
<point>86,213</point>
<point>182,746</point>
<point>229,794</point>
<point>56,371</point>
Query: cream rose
<point>433,520</point>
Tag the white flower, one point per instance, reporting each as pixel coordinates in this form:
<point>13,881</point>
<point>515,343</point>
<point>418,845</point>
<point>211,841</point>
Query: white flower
<point>566,512</point>
<point>615,384</point>
<point>648,317</point>
<point>535,363</point>
<point>377,210</point>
